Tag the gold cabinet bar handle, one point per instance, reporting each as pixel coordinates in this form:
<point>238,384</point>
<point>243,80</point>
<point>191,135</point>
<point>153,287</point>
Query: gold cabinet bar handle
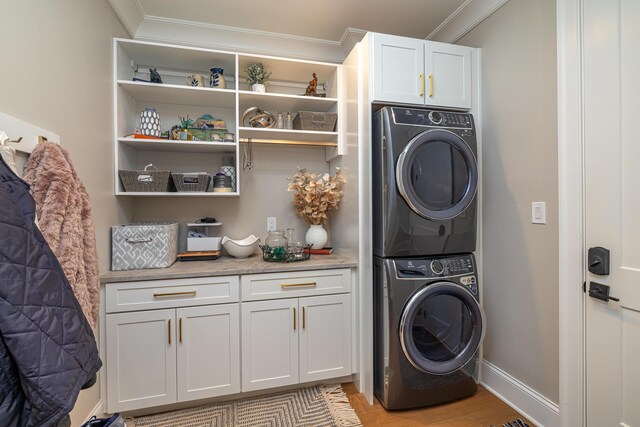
<point>421,84</point>
<point>297,285</point>
<point>180,328</point>
<point>430,85</point>
<point>304,317</point>
<point>169,329</point>
<point>173,294</point>
<point>295,318</point>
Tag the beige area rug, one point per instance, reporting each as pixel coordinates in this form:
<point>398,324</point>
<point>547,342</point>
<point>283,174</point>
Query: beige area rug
<point>319,406</point>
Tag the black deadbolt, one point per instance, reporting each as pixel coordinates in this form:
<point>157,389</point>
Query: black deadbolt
<point>598,260</point>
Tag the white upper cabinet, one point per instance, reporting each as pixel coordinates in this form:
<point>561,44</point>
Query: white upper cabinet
<point>447,75</point>
<point>398,69</point>
<point>419,72</point>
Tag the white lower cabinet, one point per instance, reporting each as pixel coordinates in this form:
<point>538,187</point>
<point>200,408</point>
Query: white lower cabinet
<point>162,348</point>
<point>325,337</point>
<point>141,360</point>
<point>295,340</point>
<point>158,357</point>
<point>208,351</point>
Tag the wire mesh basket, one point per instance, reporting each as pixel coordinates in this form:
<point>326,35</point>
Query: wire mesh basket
<point>282,254</point>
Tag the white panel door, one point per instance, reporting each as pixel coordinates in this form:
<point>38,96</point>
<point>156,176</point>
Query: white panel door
<point>208,351</point>
<point>141,360</point>
<point>398,69</point>
<point>612,151</point>
<point>448,75</point>
<point>325,337</point>
<point>269,344</point>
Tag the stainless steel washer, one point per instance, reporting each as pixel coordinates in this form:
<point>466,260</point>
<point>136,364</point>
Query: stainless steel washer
<point>428,327</point>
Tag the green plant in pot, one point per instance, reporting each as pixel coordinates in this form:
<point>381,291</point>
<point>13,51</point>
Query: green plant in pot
<point>257,77</point>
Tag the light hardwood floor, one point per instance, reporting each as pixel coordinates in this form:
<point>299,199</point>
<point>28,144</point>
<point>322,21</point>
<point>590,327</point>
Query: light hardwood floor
<point>482,409</point>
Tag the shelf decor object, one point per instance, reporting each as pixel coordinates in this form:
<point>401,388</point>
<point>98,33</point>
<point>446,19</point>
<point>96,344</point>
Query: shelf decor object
<point>216,79</point>
<point>257,77</point>
<point>315,195</point>
<point>150,122</point>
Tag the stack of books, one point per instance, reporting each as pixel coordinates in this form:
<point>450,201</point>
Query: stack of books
<point>324,251</point>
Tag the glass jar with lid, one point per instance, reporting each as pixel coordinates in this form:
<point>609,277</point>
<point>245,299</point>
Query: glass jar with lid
<point>275,246</point>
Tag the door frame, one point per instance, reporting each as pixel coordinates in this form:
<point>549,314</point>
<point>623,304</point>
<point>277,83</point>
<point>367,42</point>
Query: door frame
<point>571,212</point>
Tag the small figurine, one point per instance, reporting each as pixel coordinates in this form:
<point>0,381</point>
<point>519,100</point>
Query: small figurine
<point>313,85</point>
<point>155,77</point>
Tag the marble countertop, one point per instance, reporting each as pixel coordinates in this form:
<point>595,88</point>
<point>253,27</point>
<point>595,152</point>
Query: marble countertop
<point>226,266</point>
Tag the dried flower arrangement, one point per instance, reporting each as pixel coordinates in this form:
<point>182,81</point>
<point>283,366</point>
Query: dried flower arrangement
<point>315,195</point>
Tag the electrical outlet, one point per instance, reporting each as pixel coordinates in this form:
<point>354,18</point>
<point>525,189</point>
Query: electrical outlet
<point>271,223</point>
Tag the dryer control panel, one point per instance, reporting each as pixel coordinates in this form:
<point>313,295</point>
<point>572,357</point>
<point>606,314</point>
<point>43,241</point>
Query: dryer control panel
<point>431,118</point>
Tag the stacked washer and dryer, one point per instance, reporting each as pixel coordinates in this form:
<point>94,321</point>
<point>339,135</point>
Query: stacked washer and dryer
<point>428,322</point>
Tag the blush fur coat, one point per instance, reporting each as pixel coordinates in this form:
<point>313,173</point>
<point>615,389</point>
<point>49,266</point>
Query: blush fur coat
<point>64,217</point>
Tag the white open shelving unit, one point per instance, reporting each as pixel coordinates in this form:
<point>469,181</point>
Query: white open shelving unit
<point>175,98</point>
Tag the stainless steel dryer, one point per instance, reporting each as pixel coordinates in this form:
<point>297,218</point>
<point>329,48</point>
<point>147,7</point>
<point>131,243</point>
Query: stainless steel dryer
<point>428,326</point>
<point>424,181</point>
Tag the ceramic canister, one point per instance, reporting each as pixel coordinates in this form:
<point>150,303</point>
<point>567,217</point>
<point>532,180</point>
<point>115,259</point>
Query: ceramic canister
<point>217,79</point>
<point>150,122</point>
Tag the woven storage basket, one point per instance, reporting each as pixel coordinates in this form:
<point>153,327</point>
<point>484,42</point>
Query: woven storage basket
<point>196,181</point>
<point>319,121</point>
<point>146,180</point>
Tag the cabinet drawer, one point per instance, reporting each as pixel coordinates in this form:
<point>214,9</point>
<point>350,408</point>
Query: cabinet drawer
<point>295,284</point>
<point>154,294</point>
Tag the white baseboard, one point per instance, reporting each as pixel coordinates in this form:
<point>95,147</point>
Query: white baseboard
<point>531,404</point>
<point>98,410</point>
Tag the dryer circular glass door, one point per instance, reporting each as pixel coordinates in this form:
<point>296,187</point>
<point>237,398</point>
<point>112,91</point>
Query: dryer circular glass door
<point>437,174</point>
<point>441,328</point>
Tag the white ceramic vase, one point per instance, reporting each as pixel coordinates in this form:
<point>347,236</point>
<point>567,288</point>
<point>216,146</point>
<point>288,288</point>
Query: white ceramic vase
<point>257,87</point>
<point>316,236</point>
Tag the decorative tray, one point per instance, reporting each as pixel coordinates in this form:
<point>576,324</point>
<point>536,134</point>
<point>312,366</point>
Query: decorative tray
<point>199,255</point>
<point>281,254</point>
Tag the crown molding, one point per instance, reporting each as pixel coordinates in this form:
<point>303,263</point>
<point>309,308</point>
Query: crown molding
<point>464,19</point>
<point>350,38</point>
<point>176,31</point>
<point>130,13</point>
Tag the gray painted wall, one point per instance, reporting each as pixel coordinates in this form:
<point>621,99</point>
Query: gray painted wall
<point>56,73</point>
<point>520,267</point>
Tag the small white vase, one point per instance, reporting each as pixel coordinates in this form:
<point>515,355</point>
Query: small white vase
<point>257,87</point>
<point>316,236</point>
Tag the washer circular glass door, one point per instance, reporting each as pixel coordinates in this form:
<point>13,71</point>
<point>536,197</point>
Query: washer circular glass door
<point>437,174</point>
<point>441,328</point>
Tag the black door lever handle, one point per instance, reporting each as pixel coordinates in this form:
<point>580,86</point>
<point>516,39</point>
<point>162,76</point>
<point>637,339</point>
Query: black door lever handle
<point>601,292</point>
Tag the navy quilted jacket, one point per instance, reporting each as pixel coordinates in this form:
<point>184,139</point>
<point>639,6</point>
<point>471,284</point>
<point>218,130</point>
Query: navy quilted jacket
<point>47,349</point>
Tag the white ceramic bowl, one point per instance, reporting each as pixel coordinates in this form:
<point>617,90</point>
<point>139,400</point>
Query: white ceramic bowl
<point>241,248</point>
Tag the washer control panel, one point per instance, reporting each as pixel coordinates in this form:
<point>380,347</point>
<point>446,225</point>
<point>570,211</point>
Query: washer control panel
<point>434,268</point>
<point>431,118</point>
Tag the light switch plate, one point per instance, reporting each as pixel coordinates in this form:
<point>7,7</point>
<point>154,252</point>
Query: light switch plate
<point>271,223</point>
<point>538,213</point>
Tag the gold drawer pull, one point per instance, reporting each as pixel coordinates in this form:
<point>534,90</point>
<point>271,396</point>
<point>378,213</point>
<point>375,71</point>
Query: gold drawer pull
<point>180,327</point>
<point>295,318</point>
<point>169,329</point>
<point>298,285</point>
<point>304,317</point>
<point>174,294</point>
<point>422,84</point>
